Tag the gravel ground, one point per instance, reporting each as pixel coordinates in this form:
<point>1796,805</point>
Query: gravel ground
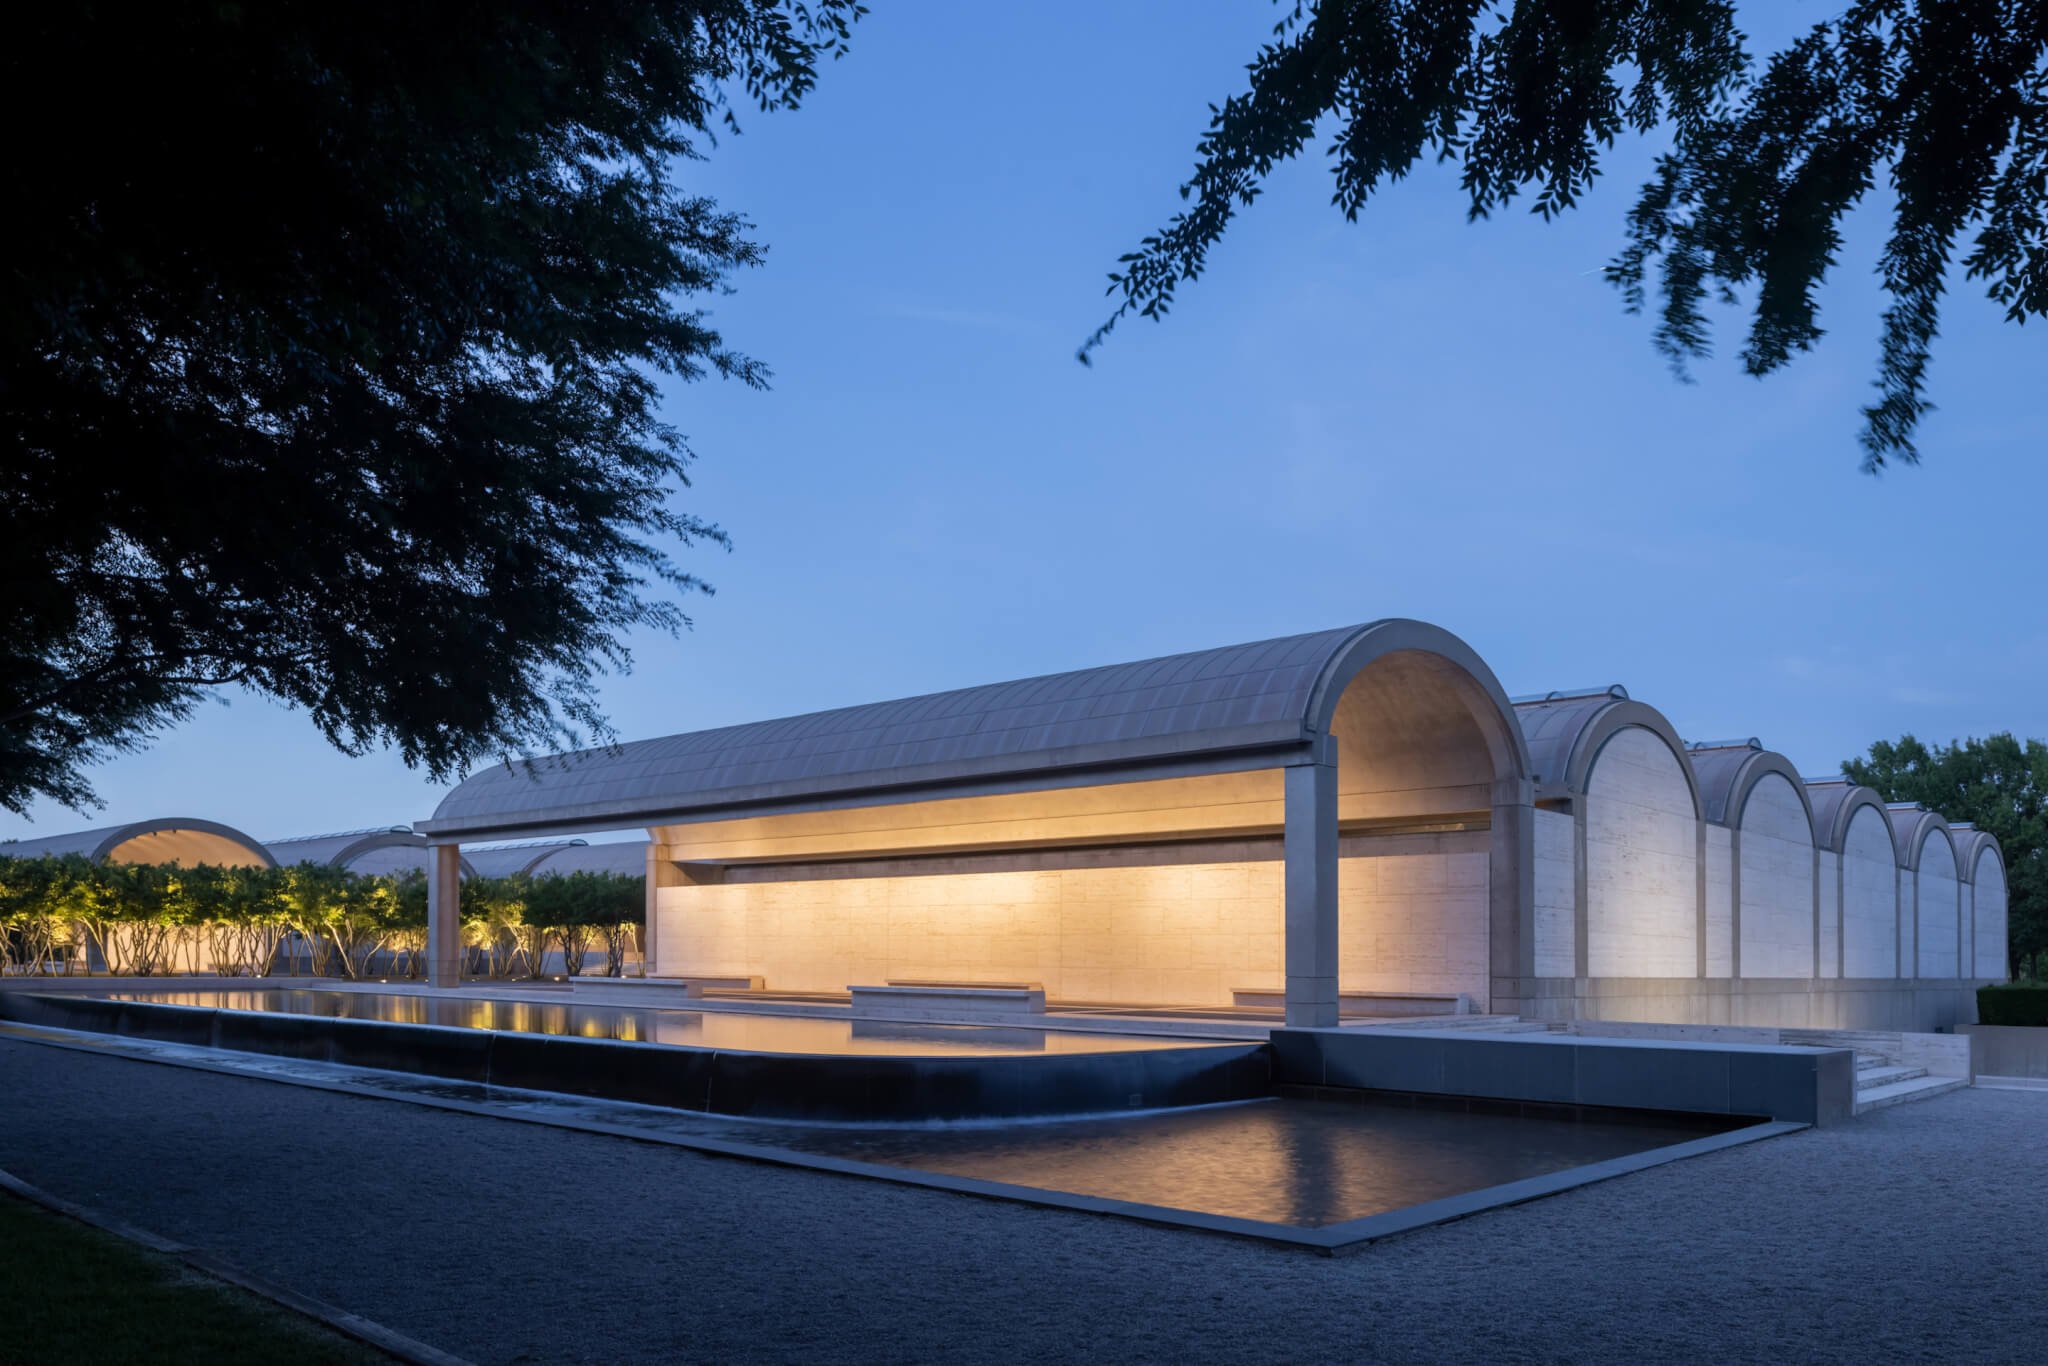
<point>1912,1234</point>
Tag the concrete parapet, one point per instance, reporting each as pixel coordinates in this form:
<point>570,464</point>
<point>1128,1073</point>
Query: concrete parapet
<point>2007,1050</point>
<point>817,1087</point>
<point>1941,1055</point>
<point>1794,1084</point>
<point>1910,1005</point>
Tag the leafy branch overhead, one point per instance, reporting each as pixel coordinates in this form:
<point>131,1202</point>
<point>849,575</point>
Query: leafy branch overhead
<point>329,354</point>
<point>1945,101</point>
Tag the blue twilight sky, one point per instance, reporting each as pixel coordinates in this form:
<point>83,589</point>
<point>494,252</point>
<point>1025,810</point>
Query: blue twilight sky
<point>1408,416</point>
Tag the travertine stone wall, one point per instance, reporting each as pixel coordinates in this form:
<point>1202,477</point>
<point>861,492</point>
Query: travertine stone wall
<point>1720,908</point>
<point>1776,879</point>
<point>1990,923</point>
<point>1642,889</point>
<point>1414,922</point>
<point>1188,934</point>
<point>1557,879</point>
<point>1938,892</point>
<point>1870,898</point>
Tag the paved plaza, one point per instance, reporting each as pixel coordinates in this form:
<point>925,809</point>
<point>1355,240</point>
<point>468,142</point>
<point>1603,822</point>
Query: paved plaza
<point>1910,1234</point>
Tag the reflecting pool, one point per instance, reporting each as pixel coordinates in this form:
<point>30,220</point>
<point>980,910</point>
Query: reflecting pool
<point>731,1032</point>
<point>1288,1160</point>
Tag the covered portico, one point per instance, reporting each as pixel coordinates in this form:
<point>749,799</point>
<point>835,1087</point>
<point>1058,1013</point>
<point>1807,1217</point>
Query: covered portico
<point>1343,810</point>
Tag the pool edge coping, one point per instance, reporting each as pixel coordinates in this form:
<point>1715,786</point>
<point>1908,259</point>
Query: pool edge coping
<point>1329,1239</point>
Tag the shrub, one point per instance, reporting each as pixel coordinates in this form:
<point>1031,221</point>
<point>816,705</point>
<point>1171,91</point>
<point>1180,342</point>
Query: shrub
<point>582,906</point>
<point>2014,1003</point>
<point>152,919</point>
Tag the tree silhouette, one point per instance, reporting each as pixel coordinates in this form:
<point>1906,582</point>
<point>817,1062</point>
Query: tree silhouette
<point>328,357</point>
<point>1947,100</point>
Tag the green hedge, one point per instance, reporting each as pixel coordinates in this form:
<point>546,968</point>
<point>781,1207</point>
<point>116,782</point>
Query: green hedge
<point>2015,1003</point>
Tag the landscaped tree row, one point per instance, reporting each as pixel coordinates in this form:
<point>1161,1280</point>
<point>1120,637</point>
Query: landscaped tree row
<point>69,913</point>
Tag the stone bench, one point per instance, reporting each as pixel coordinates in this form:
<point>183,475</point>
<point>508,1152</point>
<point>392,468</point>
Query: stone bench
<point>913,1000</point>
<point>1366,1003</point>
<point>961,984</point>
<point>699,986</point>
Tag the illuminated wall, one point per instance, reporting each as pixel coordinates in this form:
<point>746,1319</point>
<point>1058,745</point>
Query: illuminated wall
<point>1870,898</point>
<point>1776,866</point>
<point>1939,893</point>
<point>1415,921</point>
<point>1989,923</point>
<point>1642,861</point>
<point>1187,934</point>
<point>1167,934</point>
<point>1557,891</point>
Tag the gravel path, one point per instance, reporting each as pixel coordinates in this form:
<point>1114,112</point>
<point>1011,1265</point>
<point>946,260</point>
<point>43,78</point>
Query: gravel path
<point>1912,1234</point>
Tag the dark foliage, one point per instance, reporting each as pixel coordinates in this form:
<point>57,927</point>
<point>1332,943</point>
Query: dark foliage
<point>328,359</point>
<point>1998,784</point>
<point>2020,1004</point>
<point>1946,100</point>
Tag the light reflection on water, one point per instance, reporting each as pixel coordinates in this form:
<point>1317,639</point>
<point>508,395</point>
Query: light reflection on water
<point>645,1024</point>
<point>1291,1161</point>
<point>1299,1161</point>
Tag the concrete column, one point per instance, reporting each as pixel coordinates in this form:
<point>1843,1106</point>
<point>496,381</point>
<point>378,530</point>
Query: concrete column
<point>657,858</point>
<point>1699,869</point>
<point>662,871</point>
<point>1966,930</point>
<point>1909,927</point>
<point>1734,903</point>
<point>1511,896</point>
<point>444,915</point>
<point>1310,849</point>
<point>1898,922</point>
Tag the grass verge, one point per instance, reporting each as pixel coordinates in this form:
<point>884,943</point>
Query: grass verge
<point>76,1294</point>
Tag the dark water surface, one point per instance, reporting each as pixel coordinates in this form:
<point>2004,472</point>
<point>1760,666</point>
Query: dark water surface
<point>1309,1162</point>
<point>733,1032</point>
<point>1290,1161</point>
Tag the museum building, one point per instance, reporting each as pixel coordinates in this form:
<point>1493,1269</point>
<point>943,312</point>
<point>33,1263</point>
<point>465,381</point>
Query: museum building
<point>1342,820</point>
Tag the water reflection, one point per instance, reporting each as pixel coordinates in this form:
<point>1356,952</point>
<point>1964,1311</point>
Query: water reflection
<point>1302,1162</point>
<point>648,1024</point>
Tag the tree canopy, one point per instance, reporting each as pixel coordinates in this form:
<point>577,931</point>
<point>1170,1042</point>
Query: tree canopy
<point>329,352</point>
<point>59,913</point>
<point>1998,784</point>
<point>1945,100</point>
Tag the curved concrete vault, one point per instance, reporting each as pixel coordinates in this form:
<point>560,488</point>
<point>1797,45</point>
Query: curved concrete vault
<point>1326,817</point>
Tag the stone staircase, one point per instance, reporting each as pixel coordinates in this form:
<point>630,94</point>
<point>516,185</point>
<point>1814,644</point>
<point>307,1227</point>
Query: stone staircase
<point>1881,1082</point>
<point>1882,1078</point>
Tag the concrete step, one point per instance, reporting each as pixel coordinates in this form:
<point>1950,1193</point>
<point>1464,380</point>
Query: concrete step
<point>1876,1078</point>
<point>1488,1024</point>
<point>1882,1042</point>
<point>1920,1088</point>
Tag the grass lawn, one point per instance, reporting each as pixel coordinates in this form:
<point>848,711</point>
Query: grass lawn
<point>75,1294</point>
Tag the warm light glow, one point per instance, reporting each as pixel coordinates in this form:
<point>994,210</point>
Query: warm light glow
<point>1190,934</point>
